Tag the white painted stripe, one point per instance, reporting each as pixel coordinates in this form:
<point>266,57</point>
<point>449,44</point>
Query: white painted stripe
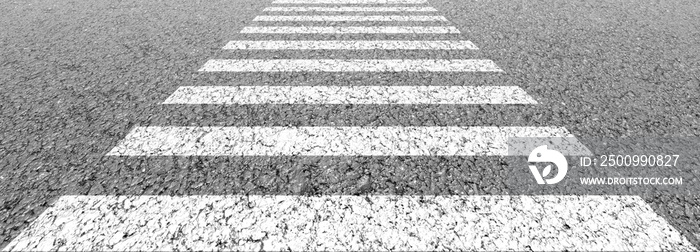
<point>325,141</point>
<point>351,18</point>
<point>350,95</point>
<point>351,65</point>
<point>350,2</point>
<point>350,29</point>
<point>350,9</point>
<point>357,223</point>
<point>350,45</point>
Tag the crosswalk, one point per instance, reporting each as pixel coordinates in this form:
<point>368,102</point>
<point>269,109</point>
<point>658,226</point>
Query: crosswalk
<point>351,29</point>
<point>348,65</point>
<point>350,2</point>
<point>348,9</point>
<point>344,18</point>
<point>343,222</point>
<point>326,141</point>
<point>349,95</point>
<point>350,45</point>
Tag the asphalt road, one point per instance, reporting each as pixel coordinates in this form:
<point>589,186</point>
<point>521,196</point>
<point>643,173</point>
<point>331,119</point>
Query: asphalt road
<point>77,77</point>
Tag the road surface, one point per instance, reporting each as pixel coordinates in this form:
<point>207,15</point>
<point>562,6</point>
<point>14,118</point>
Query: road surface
<point>334,125</point>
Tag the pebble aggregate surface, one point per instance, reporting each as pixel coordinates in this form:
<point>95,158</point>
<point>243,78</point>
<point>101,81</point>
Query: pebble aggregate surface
<point>78,78</point>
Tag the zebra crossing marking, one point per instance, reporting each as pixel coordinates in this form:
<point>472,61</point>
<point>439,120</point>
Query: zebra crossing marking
<point>325,141</point>
<point>283,222</point>
<point>413,18</point>
<point>349,95</point>
<point>350,45</point>
<point>350,2</point>
<point>332,223</point>
<point>349,9</point>
<point>349,65</point>
<point>350,29</point>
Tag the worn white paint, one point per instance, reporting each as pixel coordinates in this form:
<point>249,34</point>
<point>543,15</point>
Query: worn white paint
<point>350,2</point>
<point>346,18</point>
<point>350,29</point>
<point>349,65</point>
<point>349,9</point>
<point>350,45</point>
<point>357,223</point>
<point>350,95</point>
<point>325,141</point>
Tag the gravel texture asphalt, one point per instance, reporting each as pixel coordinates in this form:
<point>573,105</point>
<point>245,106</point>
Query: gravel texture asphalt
<point>78,76</point>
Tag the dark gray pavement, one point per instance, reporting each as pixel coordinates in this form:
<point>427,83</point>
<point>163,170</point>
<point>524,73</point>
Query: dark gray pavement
<point>77,76</point>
